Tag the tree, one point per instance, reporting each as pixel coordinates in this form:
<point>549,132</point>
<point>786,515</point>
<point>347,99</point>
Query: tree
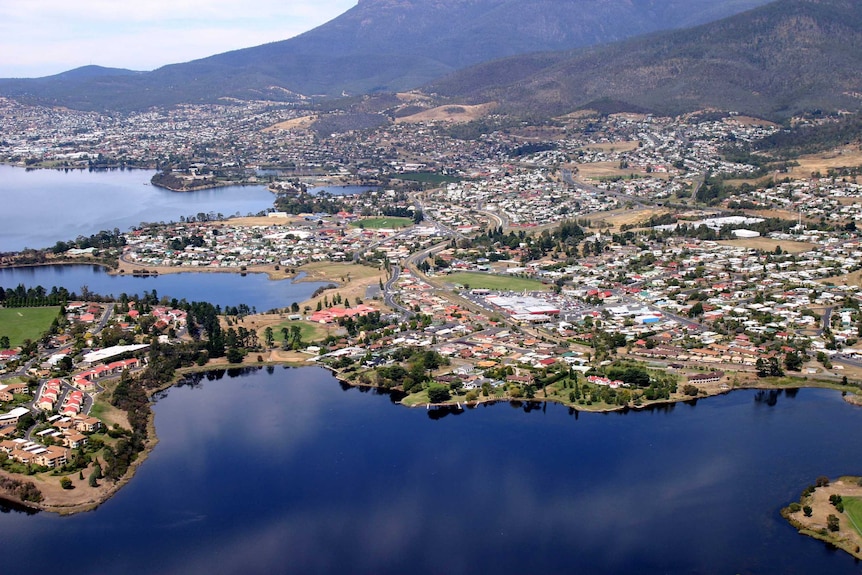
<point>807,511</point>
<point>438,393</point>
<point>234,355</point>
<point>832,523</point>
<point>4,342</point>
<point>793,361</point>
<point>268,337</point>
<point>66,483</point>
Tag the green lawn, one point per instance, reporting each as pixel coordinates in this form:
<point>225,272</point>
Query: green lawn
<point>22,323</point>
<point>496,282</point>
<point>310,332</point>
<point>853,510</point>
<point>378,223</point>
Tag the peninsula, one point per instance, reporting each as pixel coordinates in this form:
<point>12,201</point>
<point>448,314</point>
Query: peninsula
<point>830,511</point>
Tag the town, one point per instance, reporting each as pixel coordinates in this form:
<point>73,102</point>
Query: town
<point>605,262</point>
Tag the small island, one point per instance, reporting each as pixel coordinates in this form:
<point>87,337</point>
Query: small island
<point>830,511</point>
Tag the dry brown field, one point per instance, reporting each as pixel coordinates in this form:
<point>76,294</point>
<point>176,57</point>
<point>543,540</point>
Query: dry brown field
<point>768,245</point>
<point>626,146</point>
<point>611,170</point>
<point>845,157</point>
<point>853,279</point>
<point>455,114</point>
<point>618,218</point>
<point>301,123</point>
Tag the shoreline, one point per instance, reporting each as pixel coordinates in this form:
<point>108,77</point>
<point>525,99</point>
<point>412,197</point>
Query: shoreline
<point>809,515</point>
<point>152,440</point>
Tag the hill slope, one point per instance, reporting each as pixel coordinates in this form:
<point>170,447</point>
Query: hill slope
<point>779,59</point>
<point>379,45</point>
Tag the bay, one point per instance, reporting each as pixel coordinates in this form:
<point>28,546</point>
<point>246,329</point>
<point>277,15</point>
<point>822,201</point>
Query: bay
<point>284,470</point>
<point>224,289</point>
<point>42,207</point>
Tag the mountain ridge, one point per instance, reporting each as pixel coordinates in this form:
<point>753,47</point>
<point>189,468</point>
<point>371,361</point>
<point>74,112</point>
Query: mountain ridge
<point>774,61</point>
<point>378,45</point>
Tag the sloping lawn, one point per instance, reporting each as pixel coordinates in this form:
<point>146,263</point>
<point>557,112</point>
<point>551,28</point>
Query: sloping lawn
<point>22,323</point>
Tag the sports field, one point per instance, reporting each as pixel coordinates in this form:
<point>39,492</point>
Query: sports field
<point>382,223</point>
<point>22,323</point>
<point>853,509</point>
<point>495,282</point>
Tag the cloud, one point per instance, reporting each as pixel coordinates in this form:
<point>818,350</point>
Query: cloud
<point>42,37</point>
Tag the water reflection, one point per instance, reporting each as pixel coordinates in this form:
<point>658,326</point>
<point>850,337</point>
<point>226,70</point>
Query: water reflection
<point>285,472</point>
<point>13,507</point>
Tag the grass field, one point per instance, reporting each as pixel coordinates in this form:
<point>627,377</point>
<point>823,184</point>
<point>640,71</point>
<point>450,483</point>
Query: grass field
<point>310,332</point>
<point>853,509</point>
<point>381,223</point>
<point>23,323</point>
<point>495,282</point>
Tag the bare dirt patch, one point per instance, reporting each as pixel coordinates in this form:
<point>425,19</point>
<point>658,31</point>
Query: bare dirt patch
<point>750,121</point>
<point>456,114</point>
<point>302,123</point>
<point>626,146</point>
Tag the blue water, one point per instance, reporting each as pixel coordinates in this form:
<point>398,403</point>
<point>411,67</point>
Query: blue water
<point>42,207</point>
<point>224,289</point>
<point>289,473</point>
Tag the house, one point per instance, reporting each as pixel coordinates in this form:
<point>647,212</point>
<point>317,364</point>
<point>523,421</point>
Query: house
<point>711,377</point>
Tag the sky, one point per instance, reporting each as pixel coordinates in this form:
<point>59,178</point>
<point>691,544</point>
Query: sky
<point>44,37</point>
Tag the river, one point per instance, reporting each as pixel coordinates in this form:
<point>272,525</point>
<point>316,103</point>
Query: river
<point>224,289</point>
<point>288,472</point>
<point>42,207</point>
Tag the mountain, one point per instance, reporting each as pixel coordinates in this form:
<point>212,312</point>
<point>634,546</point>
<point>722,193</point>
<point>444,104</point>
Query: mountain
<point>378,45</point>
<point>773,61</point>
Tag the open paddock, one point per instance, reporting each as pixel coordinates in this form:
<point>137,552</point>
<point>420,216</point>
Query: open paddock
<point>769,245</point>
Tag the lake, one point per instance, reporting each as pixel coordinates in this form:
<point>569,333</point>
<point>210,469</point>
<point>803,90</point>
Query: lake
<point>254,290</point>
<point>288,472</point>
<point>42,207</point>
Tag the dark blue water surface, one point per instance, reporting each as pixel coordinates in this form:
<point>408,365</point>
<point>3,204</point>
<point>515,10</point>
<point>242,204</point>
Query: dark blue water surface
<point>290,473</point>
<point>42,207</point>
<point>224,289</point>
